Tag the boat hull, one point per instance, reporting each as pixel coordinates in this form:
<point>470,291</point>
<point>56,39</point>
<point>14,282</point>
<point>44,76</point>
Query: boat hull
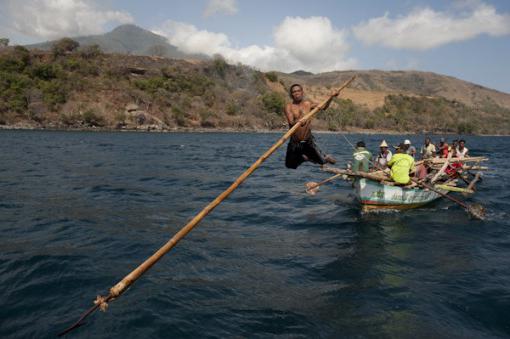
<point>375,196</point>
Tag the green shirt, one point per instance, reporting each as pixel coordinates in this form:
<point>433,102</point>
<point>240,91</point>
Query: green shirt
<point>401,164</point>
<point>361,159</point>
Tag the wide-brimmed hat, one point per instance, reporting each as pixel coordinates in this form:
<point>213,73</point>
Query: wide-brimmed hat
<point>383,144</point>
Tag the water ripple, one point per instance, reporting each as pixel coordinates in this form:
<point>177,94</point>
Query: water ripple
<point>270,261</point>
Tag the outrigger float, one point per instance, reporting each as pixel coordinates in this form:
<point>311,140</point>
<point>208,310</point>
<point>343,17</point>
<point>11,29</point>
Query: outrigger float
<point>375,190</point>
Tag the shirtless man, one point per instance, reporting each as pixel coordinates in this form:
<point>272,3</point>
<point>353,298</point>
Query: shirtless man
<point>302,145</point>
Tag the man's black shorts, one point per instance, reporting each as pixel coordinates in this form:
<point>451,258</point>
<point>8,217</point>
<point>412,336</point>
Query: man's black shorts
<point>296,150</point>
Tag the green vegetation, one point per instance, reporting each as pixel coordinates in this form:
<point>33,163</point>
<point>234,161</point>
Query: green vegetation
<point>64,46</point>
<point>80,87</point>
<point>90,51</point>
<point>45,71</point>
<point>272,76</point>
<point>220,65</point>
<point>14,92</point>
<point>54,93</point>
<point>273,102</point>
<point>420,114</point>
<point>90,118</point>
<point>23,74</point>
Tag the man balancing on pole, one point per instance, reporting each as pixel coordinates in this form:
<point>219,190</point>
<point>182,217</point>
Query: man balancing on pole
<point>302,145</point>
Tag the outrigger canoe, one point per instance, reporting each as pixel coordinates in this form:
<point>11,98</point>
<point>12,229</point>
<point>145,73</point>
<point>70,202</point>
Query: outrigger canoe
<point>375,192</point>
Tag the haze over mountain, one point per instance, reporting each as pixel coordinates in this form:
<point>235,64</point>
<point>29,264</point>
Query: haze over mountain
<point>128,39</point>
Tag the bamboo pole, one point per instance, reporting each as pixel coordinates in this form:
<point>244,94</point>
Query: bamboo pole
<point>443,168</point>
<point>475,168</point>
<point>454,189</point>
<point>463,160</point>
<point>128,280</point>
<point>349,173</point>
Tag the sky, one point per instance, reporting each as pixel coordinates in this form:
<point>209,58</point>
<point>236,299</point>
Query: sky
<point>467,39</point>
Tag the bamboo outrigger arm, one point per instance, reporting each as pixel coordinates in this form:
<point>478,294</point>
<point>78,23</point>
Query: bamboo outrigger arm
<point>349,173</point>
<point>463,160</point>
<point>128,280</point>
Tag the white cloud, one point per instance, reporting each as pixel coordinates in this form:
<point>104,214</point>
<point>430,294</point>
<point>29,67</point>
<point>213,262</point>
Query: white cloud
<point>311,44</point>
<point>228,7</point>
<point>425,28</point>
<point>191,40</point>
<point>51,19</point>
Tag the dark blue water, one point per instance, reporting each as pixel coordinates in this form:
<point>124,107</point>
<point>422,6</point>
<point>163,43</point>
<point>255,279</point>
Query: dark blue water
<point>78,211</point>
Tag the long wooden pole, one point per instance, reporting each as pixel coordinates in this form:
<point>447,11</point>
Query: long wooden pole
<point>128,280</point>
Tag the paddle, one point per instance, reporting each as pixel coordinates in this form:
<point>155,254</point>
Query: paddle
<point>120,287</point>
<point>312,187</point>
<point>477,211</point>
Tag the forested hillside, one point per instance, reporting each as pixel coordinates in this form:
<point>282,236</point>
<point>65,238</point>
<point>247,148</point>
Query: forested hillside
<point>72,86</point>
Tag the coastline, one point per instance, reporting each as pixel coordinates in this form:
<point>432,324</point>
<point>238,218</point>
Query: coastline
<point>27,127</point>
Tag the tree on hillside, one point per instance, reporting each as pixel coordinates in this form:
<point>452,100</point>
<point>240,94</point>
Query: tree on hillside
<point>90,51</point>
<point>64,46</point>
<point>273,103</point>
<point>272,76</point>
<point>4,42</point>
<point>220,65</point>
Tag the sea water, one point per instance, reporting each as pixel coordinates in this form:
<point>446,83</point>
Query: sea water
<point>80,210</point>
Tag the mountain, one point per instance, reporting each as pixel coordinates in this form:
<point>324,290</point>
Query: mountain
<point>129,39</point>
<point>81,89</point>
<point>426,84</point>
<point>301,72</point>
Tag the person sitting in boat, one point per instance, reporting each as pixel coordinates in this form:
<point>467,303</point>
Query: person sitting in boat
<point>384,156</point>
<point>361,158</point>
<point>453,148</point>
<point>428,150</point>
<point>462,150</point>
<point>302,145</point>
<point>411,150</point>
<point>459,150</point>
<point>401,165</point>
<point>443,148</point>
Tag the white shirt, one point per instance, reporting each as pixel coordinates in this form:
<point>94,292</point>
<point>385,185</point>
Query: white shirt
<point>462,154</point>
<point>383,160</point>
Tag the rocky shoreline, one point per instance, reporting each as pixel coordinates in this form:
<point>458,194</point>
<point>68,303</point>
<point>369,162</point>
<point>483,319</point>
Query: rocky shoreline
<point>147,129</point>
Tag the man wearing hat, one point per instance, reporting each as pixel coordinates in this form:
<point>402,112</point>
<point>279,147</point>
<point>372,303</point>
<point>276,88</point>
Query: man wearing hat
<point>384,155</point>
<point>411,150</point>
<point>401,165</point>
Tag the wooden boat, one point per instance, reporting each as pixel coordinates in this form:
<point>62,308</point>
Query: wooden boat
<point>374,195</point>
<point>375,191</point>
